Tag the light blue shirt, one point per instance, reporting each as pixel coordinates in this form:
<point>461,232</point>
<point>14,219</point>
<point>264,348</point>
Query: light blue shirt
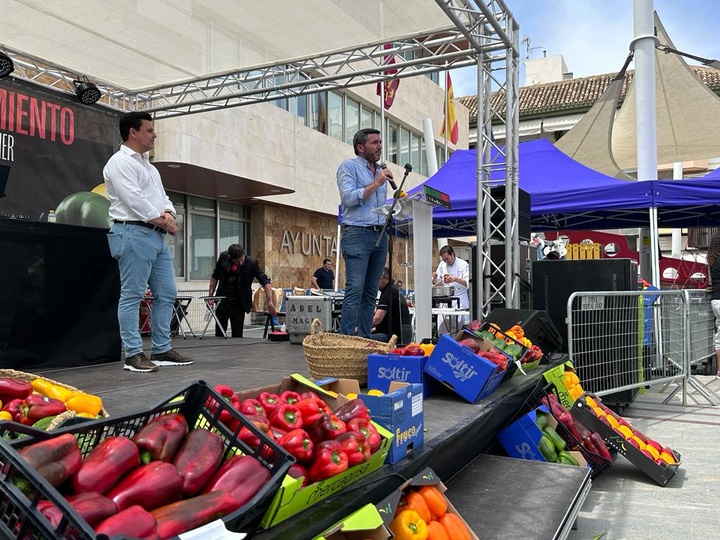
<point>353,175</point>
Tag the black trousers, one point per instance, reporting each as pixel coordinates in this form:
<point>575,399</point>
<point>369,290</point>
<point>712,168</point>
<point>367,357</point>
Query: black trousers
<point>232,311</point>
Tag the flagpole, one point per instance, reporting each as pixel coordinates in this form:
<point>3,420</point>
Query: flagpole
<point>446,120</point>
<point>382,121</point>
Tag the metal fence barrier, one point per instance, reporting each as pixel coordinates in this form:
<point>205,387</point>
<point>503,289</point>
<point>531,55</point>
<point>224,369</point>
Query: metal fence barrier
<point>623,341</point>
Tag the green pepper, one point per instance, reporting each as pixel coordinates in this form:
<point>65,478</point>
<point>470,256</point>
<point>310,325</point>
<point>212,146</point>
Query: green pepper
<point>84,208</point>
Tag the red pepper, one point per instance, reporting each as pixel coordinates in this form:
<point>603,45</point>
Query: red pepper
<point>601,446</point>
<point>269,401</point>
<point>328,427</point>
<point>12,388</point>
<point>286,417</point>
<point>355,408</point>
<point>290,397</point>
<point>297,471</point>
<point>242,476</point>
<point>248,436</point>
<point>309,394</point>
<point>297,442</point>
<point>92,507</point>
<point>134,521</point>
<point>251,406</point>
<point>160,438</point>
<point>151,486</point>
<point>329,461</point>
<point>33,408</point>
<point>277,433</point>
<point>228,395</point>
<point>311,409</point>
<point>537,353</point>
<point>106,464</point>
<point>198,459</point>
<point>364,426</point>
<point>56,459</point>
<point>355,446</point>
<point>177,518</point>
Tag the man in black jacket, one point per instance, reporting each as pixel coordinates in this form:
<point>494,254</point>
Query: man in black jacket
<point>393,301</point>
<point>232,278</point>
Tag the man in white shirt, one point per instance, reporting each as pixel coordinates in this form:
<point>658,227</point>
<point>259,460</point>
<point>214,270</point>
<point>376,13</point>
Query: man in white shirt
<point>455,272</point>
<point>142,215</point>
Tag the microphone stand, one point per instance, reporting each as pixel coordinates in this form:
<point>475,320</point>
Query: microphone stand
<point>386,226</point>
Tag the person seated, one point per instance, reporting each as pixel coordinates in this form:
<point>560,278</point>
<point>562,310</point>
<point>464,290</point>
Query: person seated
<point>391,300</point>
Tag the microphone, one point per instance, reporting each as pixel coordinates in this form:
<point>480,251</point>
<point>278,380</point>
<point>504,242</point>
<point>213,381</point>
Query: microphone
<point>408,168</point>
<point>392,182</point>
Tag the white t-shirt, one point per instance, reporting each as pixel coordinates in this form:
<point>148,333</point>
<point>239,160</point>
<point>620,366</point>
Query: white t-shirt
<point>460,269</point>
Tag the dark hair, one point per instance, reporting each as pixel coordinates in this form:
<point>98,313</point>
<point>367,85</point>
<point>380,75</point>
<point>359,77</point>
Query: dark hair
<point>386,272</point>
<point>235,251</point>
<point>361,137</point>
<point>133,120</point>
<point>447,250</point>
<point>326,261</point>
<point>713,250</point>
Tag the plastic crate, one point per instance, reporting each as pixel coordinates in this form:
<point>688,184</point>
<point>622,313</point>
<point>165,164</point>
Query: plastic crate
<point>198,403</point>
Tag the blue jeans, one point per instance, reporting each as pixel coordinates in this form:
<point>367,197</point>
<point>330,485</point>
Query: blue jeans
<point>143,259</point>
<point>364,265</point>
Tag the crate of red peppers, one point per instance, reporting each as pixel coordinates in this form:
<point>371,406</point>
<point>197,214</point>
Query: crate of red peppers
<point>154,474</point>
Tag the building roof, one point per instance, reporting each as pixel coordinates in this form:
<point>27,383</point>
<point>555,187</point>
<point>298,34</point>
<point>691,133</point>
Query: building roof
<point>573,95</point>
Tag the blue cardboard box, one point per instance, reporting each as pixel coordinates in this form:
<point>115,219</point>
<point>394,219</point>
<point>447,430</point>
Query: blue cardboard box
<point>401,412</point>
<point>464,372</point>
<point>520,439</point>
<point>386,368</point>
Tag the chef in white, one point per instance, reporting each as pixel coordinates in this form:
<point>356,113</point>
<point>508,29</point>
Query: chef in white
<point>455,272</point>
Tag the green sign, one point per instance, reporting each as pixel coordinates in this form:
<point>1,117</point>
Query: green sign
<point>438,198</point>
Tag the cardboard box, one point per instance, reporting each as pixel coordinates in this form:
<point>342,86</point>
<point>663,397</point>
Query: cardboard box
<point>520,439</point>
<point>388,506</point>
<point>386,368</point>
<point>364,524</point>
<point>297,383</point>
<point>463,371</point>
<point>614,440</point>
<point>293,498</point>
<point>400,411</point>
<point>556,377</point>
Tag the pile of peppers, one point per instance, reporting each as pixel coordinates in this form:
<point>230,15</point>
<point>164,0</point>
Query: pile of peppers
<point>423,514</point>
<point>324,443</point>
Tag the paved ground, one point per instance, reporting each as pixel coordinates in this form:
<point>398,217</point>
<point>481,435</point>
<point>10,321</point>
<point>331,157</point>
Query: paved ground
<point>624,503</point>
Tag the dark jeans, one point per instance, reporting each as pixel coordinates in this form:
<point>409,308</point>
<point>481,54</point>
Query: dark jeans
<point>230,310</point>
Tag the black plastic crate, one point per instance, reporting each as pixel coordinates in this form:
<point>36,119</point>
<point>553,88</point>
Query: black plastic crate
<point>198,403</point>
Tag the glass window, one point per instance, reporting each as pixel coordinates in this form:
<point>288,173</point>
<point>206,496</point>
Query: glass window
<point>404,147</point>
<point>377,120</point>
<point>415,152</point>
<point>177,243</point>
<point>202,238</point>
<point>234,225</point>
<point>335,115</point>
<point>319,113</point>
<point>298,106</point>
<point>391,143</point>
<point>366,118</point>
<point>352,119</point>
<point>423,158</point>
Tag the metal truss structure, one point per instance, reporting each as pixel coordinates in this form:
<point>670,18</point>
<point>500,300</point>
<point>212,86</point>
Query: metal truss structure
<point>482,33</point>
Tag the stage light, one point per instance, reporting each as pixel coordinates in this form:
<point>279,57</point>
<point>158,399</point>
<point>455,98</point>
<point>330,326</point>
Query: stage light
<point>6,65</point>
<point>86,91</point>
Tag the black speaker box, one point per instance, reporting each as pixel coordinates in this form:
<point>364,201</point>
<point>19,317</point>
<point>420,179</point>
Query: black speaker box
<point>537,326</point>
<point>498,194</point>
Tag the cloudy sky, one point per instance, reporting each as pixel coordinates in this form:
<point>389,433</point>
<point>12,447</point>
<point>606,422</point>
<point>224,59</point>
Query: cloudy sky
<point>594,35</point>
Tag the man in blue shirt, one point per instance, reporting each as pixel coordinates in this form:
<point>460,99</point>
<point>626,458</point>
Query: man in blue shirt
<point>362,185</point>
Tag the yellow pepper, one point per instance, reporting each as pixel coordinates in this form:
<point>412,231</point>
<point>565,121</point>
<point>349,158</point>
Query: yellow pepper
<point>48,389</point>
<point>85,403</point>
<point>427,348</point>
<point>408,525</point>
<point>4,415</point>
<point>526,342</point>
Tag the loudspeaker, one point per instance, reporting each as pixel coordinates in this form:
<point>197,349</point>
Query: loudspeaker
<point>498,194</point>
<point>537,326</point>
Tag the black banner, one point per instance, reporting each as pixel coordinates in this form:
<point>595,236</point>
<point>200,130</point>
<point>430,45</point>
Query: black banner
<point>52,152</point>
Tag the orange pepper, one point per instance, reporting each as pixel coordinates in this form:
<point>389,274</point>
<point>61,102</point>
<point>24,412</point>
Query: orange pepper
<point>415,501</point>
<point>455,527</point>
<point>436,501</point>
<point>408,525</point>
<point>518,331</point>
<point>436,531</point>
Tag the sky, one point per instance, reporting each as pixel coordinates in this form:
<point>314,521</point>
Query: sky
<point>594,35</point>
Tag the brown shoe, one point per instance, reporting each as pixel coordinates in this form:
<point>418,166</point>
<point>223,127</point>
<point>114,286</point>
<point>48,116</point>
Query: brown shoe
<point>170,358</point>
<point>139,363</point>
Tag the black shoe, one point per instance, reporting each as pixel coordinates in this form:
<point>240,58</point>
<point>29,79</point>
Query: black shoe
<point>139,363</point>
<point>170,358</point>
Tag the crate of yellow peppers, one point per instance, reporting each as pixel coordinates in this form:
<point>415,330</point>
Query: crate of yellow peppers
<point>43,403</point>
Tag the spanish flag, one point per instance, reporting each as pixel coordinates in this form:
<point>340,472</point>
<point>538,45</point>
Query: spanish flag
<point>387,89</point>
<point>450,121</point>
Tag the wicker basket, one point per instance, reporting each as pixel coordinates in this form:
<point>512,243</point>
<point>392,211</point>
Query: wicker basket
<point>30,377</point>
<point>337,355</point>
